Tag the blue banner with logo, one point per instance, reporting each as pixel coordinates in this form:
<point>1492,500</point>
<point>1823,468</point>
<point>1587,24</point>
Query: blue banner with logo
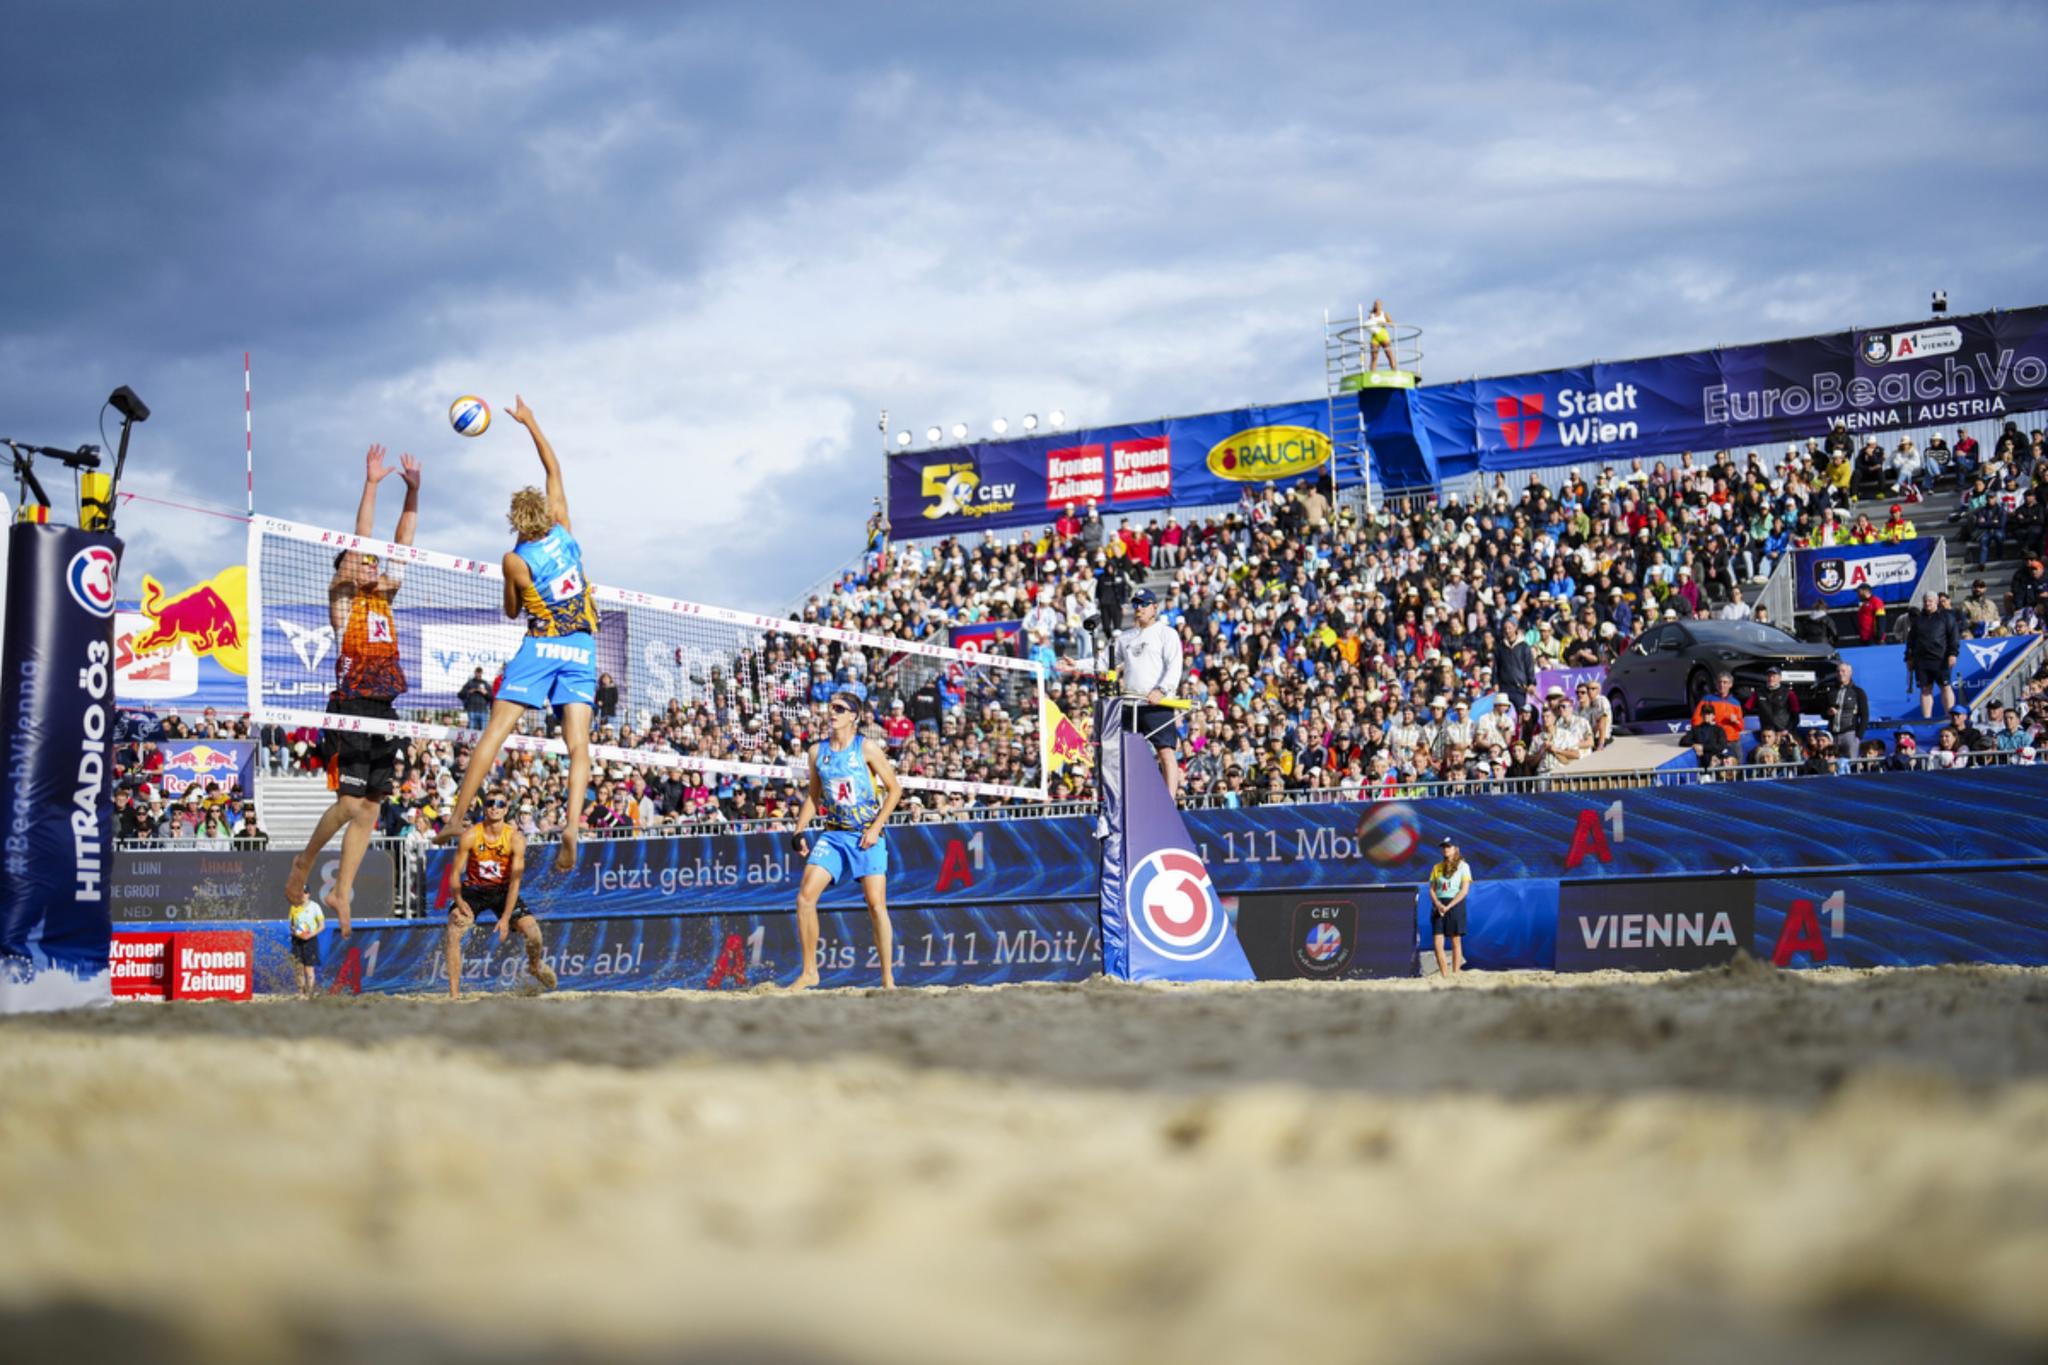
<point>1140,468</point>
<point>196,762</point>
<point>986,637</point>
<point>56,732</point>
<point>440,648</point>
<point>1162,919</point>
<point>1944,370</point>
<point>1830,577</point>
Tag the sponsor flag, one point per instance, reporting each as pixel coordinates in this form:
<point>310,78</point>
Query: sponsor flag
<point>1066,746</point>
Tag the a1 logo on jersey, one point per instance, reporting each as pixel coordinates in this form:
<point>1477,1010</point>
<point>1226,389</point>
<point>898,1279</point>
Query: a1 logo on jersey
<point>489,870</point>
<point>566,587</point>
<point>842,791</point>
<point>378,629</point>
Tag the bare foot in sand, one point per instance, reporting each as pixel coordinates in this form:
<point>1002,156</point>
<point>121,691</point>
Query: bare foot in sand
<point>803,983</point>
<point>337,901</point>
<point>542,973</point>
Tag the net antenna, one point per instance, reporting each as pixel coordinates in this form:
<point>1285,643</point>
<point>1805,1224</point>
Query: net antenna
<point>727,691</point>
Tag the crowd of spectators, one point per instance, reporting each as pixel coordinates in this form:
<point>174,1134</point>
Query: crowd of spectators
<point>1329,647</point>
<point>210,812</point>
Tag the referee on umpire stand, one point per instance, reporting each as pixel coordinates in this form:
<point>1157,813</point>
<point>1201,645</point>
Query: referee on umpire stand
<point>1148,659</point>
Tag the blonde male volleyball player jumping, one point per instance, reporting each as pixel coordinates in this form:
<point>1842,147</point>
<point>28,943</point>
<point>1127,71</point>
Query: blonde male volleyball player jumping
<point>490,862</point>
<point>557,661</point>
<point>853,790</point>
<point>368,677</point>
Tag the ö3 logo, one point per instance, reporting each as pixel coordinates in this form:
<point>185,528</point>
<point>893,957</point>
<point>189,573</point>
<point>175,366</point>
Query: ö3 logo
<point>90,577</point>
<point>1172,906</point>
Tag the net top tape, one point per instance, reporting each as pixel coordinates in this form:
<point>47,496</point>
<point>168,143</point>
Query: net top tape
<point>622,597</point>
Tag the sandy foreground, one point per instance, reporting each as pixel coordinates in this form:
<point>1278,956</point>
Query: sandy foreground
<point>1735,1164</point>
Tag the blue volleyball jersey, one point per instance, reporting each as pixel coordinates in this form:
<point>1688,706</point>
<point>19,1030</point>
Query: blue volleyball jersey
<point>850,797</point>
<point>558,602</point>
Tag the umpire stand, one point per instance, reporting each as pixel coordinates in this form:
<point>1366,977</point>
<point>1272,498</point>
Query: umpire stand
<point>1161,918</point>
<point>1348,370</point>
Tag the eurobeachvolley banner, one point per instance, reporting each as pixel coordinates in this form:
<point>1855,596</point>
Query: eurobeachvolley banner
<point>1138,468</point>
<point>1965,368</point>
<point>1830,577</point>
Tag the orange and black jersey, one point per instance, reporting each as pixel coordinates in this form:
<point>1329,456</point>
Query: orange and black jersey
<point>368,664</point>
<point>490,860</point>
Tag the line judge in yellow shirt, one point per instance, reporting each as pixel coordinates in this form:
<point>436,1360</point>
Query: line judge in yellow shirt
<point>1450,881</point>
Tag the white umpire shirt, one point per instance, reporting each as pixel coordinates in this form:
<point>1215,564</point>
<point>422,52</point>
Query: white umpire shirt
<point>1149,657</point>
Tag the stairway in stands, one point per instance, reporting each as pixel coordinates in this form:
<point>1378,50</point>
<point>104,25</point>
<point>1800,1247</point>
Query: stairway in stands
<point>1932,518</point>
<point>288,805</point>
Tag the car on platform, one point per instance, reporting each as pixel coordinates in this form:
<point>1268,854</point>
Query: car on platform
<point>1671,665</point>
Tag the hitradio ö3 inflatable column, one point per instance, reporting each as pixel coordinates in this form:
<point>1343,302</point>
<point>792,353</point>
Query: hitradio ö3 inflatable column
<point>56,758</point>
<point>1162,919</point>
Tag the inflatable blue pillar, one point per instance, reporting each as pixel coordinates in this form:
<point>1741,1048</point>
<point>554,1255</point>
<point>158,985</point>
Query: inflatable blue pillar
<point>1162,919</point>
<point>56,751</point>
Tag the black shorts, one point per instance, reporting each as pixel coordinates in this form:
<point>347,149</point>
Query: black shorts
<point>490,900</point>
<point>359,764</point>
<point>1450,924</point>
<point>1159,724</point>
<point>1930,675</point>
<point>306,951</point>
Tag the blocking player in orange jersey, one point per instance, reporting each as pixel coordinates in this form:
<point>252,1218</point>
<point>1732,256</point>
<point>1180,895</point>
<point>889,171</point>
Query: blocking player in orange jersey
<point>368,677</point>
<point>490,862</point>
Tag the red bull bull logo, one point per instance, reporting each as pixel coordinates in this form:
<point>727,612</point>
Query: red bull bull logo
<point>206,619</point>
<point>1066,746</point>
<point>196,765</point>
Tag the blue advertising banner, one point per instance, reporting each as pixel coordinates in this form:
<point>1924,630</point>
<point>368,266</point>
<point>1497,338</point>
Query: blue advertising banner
<point>56,735</point>
<point>1952,369</point>
<point>983,946</point>
<point>1830,577</point>
<point>230,762</point>
<point>440,647</point>
<point>969,863</point>
<point>1929,818</point>
<point>986,946</point>
<point>999,637</point>
<point>1868,820</point>
<point>1142,467</point>
<point>1162,917</point>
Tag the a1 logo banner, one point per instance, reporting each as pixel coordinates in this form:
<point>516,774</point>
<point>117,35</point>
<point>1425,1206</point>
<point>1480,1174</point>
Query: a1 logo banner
<point>1162,918</point>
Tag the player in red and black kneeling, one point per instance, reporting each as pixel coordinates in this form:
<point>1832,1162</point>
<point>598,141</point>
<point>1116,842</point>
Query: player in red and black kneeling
<point>490,861</point>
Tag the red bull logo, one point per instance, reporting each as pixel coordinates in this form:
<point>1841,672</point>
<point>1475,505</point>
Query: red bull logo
<point>1066,746</point>
<point>206,619</point>
<point>198,764</point>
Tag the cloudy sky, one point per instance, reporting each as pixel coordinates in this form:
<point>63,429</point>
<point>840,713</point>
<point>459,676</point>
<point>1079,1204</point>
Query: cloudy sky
<point>707,243</point>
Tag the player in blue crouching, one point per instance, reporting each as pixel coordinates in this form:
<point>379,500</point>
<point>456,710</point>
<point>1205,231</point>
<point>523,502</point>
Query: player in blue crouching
<point>853,789</point>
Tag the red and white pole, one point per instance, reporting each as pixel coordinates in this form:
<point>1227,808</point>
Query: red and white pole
<point>249,432</point>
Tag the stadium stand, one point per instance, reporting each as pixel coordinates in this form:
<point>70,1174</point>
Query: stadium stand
<point>1334,650</point>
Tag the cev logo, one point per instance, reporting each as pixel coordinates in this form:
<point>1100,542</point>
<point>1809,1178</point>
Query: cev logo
<point>1264,453</point>
<point>953,486</point>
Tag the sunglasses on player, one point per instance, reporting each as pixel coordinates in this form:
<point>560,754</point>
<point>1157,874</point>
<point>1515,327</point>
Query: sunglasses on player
<point>496,803</point>
<point>841,708</point>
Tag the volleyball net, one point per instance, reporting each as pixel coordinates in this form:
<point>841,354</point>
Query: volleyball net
<point>699,688</point>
